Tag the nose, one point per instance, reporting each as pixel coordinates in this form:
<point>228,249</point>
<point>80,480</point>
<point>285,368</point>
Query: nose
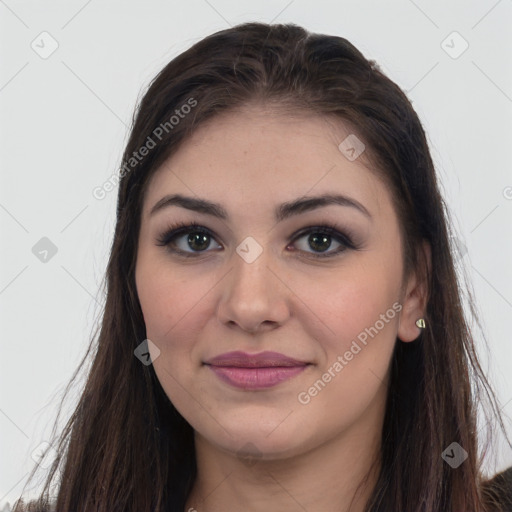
<point>254,298</point>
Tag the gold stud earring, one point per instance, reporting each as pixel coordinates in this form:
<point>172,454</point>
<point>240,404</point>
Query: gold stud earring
<point>420,323</point>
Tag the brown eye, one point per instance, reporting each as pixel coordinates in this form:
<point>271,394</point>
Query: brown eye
<point>320,240</point>
<point>198,241</point>
<point>191,240</point>
<point>186,239</point>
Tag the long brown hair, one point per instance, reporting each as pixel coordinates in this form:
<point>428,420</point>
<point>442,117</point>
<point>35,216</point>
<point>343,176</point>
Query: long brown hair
<point>126,447</point>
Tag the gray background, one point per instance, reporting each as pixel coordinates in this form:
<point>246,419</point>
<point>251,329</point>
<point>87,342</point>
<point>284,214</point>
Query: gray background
<point>64,122</point>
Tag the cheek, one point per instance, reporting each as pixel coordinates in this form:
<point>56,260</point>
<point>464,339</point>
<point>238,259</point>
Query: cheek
<point>350,379</point>
<point>176,307</point>
<point>175,311</point>
<point>358,313</point>
<point>352,304</point>
<point>172,303</point>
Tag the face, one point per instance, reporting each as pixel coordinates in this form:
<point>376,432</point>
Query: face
<point>318,283</point>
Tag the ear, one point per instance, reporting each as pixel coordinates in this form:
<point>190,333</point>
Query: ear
<point>415,298</point>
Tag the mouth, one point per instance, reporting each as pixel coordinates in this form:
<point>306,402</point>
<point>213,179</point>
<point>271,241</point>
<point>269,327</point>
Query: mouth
<point>255,371</point>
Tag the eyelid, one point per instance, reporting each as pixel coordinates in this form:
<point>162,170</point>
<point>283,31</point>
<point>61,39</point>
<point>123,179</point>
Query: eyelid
<point>340,234</point>
<point>181,228</point>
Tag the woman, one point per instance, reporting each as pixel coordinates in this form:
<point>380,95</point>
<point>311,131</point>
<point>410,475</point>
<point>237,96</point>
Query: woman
<point>283,327</point>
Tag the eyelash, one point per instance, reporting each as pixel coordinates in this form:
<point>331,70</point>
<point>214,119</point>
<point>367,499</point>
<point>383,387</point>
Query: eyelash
<point>181,228</point>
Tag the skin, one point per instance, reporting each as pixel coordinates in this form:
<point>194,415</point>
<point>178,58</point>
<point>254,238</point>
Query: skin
<point>305,456</point>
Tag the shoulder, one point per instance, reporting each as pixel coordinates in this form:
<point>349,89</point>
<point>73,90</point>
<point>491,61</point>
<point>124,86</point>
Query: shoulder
<point>498,490</point>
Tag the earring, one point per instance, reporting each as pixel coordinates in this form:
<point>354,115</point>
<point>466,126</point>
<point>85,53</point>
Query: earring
<point>420,323</point>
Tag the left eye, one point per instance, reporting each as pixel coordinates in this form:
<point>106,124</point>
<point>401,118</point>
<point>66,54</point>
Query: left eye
<point>318,240</point>
<point>180,239</point>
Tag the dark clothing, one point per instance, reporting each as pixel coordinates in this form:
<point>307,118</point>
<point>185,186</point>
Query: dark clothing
<point>499,490</point>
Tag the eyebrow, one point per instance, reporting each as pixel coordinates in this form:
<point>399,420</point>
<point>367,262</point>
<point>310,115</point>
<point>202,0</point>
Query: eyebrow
<point>282,212</point>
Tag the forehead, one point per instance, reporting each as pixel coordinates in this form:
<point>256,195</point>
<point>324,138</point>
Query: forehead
<point>256,157</point>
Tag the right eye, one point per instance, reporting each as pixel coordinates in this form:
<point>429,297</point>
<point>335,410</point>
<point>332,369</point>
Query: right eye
<point>181,237</point>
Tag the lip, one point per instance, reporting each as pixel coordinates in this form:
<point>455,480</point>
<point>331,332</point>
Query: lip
<point>255,371</point>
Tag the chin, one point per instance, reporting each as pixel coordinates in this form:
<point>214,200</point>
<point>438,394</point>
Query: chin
<point>262,440</point>
<point>253,449</point>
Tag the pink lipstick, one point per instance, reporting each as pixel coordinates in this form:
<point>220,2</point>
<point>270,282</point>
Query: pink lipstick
<point>255,371</point>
